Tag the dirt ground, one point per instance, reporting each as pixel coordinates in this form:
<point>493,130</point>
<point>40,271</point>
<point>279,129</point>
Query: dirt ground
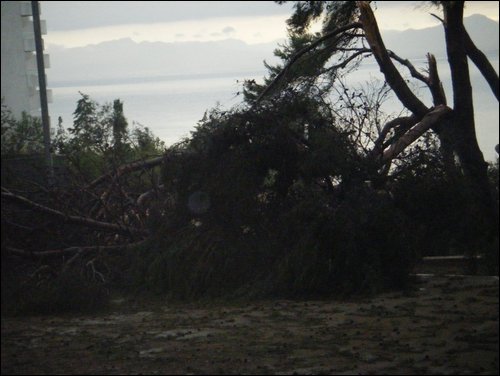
<point>445,325</point>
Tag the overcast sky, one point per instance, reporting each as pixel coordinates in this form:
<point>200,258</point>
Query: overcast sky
<point>79,23</point>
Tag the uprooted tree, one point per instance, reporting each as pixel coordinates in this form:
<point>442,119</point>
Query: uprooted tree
<point>307,187</point>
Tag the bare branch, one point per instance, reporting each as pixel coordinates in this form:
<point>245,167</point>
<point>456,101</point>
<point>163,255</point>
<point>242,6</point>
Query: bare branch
<point>343,64</point>
<point>414,73</point>
<point>72,260</point>
<point>95,271</point>
<point>437,17</point>
<point>143,198</point>
<point>76,250</point>
<point>72,218</point>
<point>404,122</point>
<point>134,166</point>
<point>429,120</point>
<point>435,85</point>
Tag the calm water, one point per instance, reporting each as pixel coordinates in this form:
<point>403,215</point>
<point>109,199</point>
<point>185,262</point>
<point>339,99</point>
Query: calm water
<point>171,107</point>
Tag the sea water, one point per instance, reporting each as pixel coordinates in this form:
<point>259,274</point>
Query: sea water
<point>169,106</point>
<point>172,106</point>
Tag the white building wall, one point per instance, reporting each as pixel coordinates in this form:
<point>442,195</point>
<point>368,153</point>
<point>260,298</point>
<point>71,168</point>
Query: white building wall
<point>19,80</point>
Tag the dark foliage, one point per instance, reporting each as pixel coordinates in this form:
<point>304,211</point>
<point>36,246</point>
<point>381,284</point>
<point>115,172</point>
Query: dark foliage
<point>98,143</point>
<point>255,204</point>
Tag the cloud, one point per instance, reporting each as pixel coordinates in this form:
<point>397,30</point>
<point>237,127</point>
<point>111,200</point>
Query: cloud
<point>73,15</point>
<point>229,30</point>
<point>204,30</point>
<point>250,29</point>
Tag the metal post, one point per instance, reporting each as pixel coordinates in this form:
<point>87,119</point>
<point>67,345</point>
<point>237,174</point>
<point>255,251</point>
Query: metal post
<point>43,91</point>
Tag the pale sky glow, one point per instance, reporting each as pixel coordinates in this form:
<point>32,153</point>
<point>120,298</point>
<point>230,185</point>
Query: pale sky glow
<point>249,29</point>
<point>252,29</point>
<point>401,15</point>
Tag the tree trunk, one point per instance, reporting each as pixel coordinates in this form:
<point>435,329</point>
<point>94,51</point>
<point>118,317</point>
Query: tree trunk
<point>390,72</point>
<point>482,63</point>
<point>465,141</point>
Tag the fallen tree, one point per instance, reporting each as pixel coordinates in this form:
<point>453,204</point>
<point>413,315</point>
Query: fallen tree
<point>307,188</point>
<point>84,221</point>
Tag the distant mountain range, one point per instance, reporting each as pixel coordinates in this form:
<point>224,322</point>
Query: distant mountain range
<point>416,43</point>
<point>125,60</point>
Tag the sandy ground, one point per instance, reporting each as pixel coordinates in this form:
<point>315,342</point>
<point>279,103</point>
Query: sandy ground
<point>445,325</point>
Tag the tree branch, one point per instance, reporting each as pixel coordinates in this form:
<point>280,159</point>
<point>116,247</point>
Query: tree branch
<point>429,120</point>
<point>349,59</point>
<point>72,218</point>
<point>405,122</point>
<point>147,164</point>
<point>414,73</point>
<point>435,85</point>
<point>296,56</point>
<point>482,63</point>
<point>391,74</point>
<point>142,199</point>
<point>71,250</point>
<point>437,17</point>
<point>479,59</point>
